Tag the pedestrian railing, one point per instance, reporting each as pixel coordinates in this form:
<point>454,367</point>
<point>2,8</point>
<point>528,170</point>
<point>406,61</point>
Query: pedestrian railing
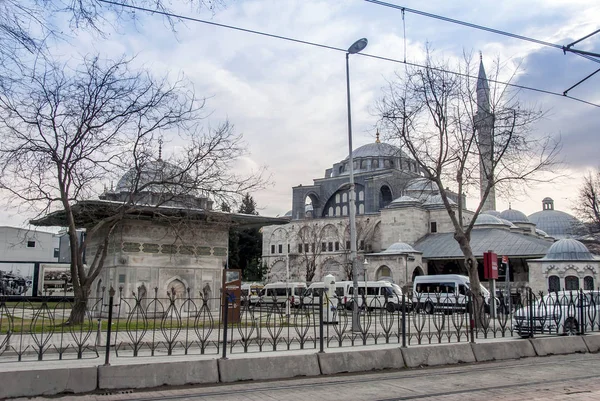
<point>119,325</point>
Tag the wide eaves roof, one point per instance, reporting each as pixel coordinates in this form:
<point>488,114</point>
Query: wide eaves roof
<point>500,241</point>
<point>90,212</point>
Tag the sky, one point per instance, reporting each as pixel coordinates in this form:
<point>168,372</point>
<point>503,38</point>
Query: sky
<point>288,100</point>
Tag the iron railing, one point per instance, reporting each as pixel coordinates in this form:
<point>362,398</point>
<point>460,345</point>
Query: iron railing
<point>132,325</point>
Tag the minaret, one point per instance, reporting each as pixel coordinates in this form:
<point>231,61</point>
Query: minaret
<point>484,121</point>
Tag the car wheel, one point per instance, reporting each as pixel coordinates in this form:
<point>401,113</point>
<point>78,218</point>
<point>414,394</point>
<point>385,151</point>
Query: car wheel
<point>390,307</point>
<point>429,308</point>
<point>570,327</point>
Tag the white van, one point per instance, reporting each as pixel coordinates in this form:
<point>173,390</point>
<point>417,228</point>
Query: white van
<point>311,295</point>
<point>379,294</point>
<point>251,293</point>
<point>279,293</point>
<point>442,292</point>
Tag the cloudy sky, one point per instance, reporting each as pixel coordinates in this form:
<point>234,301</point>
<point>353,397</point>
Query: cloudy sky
<point>289,99</point>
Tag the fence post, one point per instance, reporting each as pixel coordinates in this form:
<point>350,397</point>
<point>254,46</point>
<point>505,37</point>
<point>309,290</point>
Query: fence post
<point>471,316</point>
<point>321,331</point>
<point>225,324</point>
<point>582,312</point>
<point>111,300</point>
<point>531,311</point>
<point>403,320</point>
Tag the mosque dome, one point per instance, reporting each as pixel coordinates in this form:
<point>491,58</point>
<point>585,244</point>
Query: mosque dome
<point>377,149</point>
<point>152,177</point>
<point>568,249</point>
<point>404,201</point>
<point>400,247</point>
<point>554,222</point>
<point>491,212</point>
<point>488,219</point>
<point>514,216</point>
<point>421,184</point>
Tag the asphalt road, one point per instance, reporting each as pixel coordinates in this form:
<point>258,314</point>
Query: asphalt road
<point>570,377</point>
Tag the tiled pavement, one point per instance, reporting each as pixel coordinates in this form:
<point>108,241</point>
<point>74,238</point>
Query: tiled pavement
<point>570,377</point>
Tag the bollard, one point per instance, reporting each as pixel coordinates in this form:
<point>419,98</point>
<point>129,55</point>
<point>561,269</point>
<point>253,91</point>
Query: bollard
<point>582,312</point>
<point>531,311</point>
<point>471,318</point>
<point>111,300</point>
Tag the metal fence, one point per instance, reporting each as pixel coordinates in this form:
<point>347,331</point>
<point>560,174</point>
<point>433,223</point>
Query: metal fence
<point>136,325</point>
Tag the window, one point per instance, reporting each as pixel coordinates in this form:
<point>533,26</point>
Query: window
<point>337,198</point>
<point>375,163</point>
<point>121,279</point>
<point>337,211</point>
<point>553,284</point>
<point>56,252</point>
<point>361,245</point>
<point>361,209</point>
<point>344,197</point>
<point>306,247</point>
<point>330,246</point>
<point>288,248</point>
<point>337,246</point>
<point>280,248</point>
<point>330,211</point>
<point>348,245</point>
<point>272,248</point>
<point>312,247</point>
<point>588,283</point>
<point>30,244</point>
<point>433,227</point>
<point>361,195</point>
<point>571,283</point>
<point>299,248</point>
<point>345,210</point>
<point>323,247</point>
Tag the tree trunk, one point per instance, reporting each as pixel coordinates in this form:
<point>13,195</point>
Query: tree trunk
<point>79,311</point>
<point>471,265</point>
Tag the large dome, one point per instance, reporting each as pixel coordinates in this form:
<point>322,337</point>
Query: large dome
<point>555,223</point>
<point>568,249</point>
<point>377,149</point>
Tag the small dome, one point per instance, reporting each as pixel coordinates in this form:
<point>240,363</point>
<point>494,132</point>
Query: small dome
<point>488,219</point>
<point>404,201</point>
<point>420,185</point>
<point>508,223</point>
<point>436,200</point>
<point>541,232</point>
<point>399,247</point>
<point>154,171</point>
<point>491,212</point>
<point>514,216</point>
<point>568,249</point>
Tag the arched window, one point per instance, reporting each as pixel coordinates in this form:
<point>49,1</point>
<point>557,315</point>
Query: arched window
<point>345,197</point>
<point>330,211</point>
<point>337,211</point>
<point>553,284</point>
<point>571,283</point>
<point>588,283</point>
<point>375,163</point>
<point>383,272</point>
<point>337,198</point>
<point>385,196</point>
<point>361,195</point>
<point>345,210</point>
<point>363,164</point>
<point>361,209</point>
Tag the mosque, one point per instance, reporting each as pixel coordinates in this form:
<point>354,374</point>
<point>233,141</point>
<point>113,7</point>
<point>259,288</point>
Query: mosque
<point>403,229</point>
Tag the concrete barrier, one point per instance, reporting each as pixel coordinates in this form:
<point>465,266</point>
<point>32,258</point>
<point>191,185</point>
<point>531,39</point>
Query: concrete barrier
<point>592,342</point>
<point>360,361</point>
<point>270,367</point>
<point>501,350</point>
<point>558,345</point>
<point>434,355</point>
<point>157,374</point>
<point>36,382</point>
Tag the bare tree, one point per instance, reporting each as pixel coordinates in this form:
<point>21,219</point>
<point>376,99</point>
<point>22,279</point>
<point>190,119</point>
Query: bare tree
<point>588,200</point>
<point>312,239</point>
<point>67,132</point>
<point>435,116</point>
<point>365,234</point>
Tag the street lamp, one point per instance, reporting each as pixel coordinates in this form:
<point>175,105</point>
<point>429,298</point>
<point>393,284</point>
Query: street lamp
<point>356,47</point>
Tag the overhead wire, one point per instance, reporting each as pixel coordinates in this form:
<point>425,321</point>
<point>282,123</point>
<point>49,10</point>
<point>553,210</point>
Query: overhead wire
<point>588,55</point>
<point>320,45</point>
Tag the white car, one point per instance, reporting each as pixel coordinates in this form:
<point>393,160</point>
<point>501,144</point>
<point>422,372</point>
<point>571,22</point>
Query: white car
<point>559,312</point>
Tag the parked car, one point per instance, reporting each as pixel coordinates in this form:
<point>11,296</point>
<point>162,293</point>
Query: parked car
<point>559,312</point>
<point>379,294</point>
<point>280,293</point>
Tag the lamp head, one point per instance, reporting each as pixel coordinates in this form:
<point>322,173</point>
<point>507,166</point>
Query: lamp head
<point>358,46</point>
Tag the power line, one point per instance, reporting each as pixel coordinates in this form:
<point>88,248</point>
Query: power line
<point>304,42</point>
<point>588,55</point>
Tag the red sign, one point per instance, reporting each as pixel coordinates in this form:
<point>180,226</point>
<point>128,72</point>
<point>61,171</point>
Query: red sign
<point>490,266</point>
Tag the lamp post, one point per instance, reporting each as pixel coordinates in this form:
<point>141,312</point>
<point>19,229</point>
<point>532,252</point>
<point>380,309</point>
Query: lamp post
<point>356,47</point>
